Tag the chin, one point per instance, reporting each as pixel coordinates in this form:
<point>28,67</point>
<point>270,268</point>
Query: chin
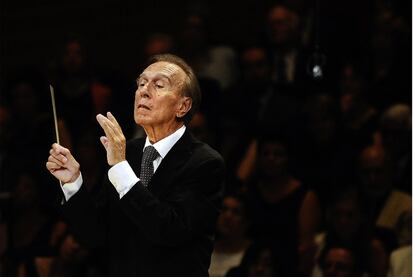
<point>139,118</point>
<point>139,121</point>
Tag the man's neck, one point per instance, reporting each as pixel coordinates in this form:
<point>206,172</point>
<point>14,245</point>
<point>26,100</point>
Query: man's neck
<point>156,134</point>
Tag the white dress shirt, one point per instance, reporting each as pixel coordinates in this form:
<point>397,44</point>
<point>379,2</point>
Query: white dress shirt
<point>121,175</point>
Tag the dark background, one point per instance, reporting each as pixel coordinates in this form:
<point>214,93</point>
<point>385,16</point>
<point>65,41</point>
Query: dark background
<point>114,31</point>
<point>32,32</point>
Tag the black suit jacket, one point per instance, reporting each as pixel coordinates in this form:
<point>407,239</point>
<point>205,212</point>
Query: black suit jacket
<point>166,229</point>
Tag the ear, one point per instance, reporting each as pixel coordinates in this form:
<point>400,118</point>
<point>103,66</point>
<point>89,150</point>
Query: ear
<point>184,106</point>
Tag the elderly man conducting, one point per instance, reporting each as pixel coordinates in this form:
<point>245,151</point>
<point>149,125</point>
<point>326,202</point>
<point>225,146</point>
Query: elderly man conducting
<point>157,213</point>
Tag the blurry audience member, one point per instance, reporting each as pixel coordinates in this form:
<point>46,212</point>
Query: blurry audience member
<point>258,261</point>
<point>158,43</point>
<point>347,227</point>
<point>391,70</point>
<point>395,132</point>
<point>110,91</point>
<point>306,13</point>
<point>252,94</point>
<point>200,129</point>
<point>255,80</point>
<point>212,64</point>
<point>272,106</point>
<point>26,97</point>
<point>401,258</point>
<point>322,157</point>
<point>30,131</point>
<point>270,195</point>
<point>269,106</point>
<point>71,261</point>
<point>404,228</point>
<point>101,96</point>
<point>358,116</point>
<point>401,262</point>
<point>72,79</point>
<point>339,262</point>
<point>284,43</point>
<point>90,155</point>
<point>210,61</point>
<point>385,203</point>
<point>232,240</point>
<point>31,226</point>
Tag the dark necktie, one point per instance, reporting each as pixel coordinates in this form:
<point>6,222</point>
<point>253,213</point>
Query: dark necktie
<point>147,166</point>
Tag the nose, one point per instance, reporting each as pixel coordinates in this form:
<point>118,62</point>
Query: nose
<point>143,92</point>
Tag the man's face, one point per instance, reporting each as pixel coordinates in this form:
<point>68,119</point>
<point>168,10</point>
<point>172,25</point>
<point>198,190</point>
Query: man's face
<point>255,67</point>
<point>282,25</point>
<point>231,221</point>
<point>273,159</point>
<point>374,174</point>
<point>159,99</point>
<point>338,263</point>
<point>73,57</point>
<point>346,219</point>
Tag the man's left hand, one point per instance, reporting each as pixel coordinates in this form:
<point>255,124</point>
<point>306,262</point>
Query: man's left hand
<point>114,140</point>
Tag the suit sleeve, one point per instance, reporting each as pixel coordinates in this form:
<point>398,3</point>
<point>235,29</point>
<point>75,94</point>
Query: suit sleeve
<point>85,214</point>
<point>187,212</point>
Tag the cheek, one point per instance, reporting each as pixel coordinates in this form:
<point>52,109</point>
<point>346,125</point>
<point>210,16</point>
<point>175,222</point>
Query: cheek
<point>166,106</point>
<point>136,101</point>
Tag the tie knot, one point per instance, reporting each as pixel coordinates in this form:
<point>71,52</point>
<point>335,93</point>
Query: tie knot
<point>150,154</point>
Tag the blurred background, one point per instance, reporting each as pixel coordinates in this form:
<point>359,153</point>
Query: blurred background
<point>308,102</point>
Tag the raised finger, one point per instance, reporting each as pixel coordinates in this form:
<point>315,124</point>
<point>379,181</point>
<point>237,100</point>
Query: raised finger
<point>107,126</point>
<point>114,121</point>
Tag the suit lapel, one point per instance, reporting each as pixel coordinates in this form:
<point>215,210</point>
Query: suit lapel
<point>174,160</point>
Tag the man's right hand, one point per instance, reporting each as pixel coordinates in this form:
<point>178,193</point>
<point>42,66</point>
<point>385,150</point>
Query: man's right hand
<point>62,164</point>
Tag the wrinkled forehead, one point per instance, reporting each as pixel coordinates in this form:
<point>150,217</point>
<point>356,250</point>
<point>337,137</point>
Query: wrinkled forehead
<point>169,70</point>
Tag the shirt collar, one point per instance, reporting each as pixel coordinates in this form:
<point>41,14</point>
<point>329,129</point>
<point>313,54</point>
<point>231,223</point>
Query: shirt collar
<point>164,146</point>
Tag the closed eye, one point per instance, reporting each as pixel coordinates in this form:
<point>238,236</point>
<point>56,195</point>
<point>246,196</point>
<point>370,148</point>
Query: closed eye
<point>159,84</point>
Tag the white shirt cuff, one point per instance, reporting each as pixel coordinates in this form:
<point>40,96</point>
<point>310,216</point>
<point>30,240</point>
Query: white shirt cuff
<point>122,177</point>
<point>69,189</point>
